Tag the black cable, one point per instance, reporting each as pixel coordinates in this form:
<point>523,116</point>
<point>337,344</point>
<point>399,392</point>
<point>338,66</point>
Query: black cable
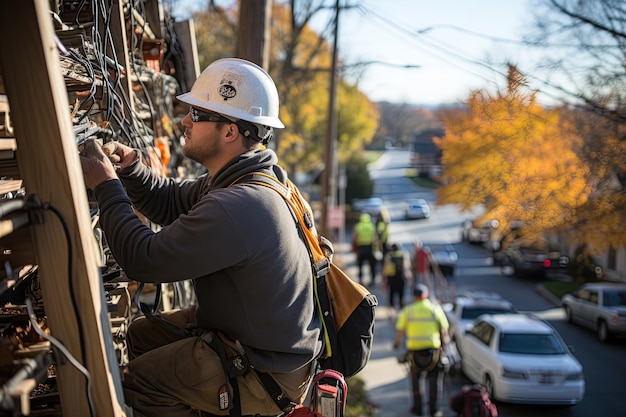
<point>415,36</point>
<point>48,206</point>
<point>419,35</point>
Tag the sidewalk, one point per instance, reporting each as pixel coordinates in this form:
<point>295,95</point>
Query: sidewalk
<point>386,380</point>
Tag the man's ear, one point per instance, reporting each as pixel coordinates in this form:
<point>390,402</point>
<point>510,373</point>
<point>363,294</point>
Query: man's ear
<point>232,132</point>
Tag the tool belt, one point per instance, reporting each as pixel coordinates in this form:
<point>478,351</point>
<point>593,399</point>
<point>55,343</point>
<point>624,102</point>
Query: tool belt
<point>234,366</point>
<point>424,359</point>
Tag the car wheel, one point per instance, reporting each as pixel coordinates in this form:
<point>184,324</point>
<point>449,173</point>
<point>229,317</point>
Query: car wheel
<point>568,314</point>
<point>603,331</point>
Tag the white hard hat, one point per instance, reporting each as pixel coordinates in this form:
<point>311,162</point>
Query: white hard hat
<point>420,290</point>
<point>236,88</point>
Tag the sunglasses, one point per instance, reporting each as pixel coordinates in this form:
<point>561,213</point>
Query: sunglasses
<point>197,115</point>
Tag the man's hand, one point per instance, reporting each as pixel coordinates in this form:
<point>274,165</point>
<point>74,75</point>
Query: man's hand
<point>97,167</point>
<point>121,155</point>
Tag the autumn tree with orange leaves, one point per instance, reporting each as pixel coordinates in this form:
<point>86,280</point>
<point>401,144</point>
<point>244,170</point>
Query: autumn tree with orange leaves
<point>602,219</point>
<point>517,159</point>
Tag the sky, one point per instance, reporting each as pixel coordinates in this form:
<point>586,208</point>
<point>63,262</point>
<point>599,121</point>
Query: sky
<point>451,44</point>
<point>448,39</point>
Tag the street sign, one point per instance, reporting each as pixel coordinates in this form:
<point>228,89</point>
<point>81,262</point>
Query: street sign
<point>336,217</point>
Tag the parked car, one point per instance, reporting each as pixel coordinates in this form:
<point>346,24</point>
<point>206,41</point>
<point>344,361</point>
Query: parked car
<point>373,206</point>
<point>476,232</point>
<point>416,208</point>
<point>521,260</point>
<point>522,359</point>
<point>467,307</point>
<point>600,307</point>
<point>445,256</point>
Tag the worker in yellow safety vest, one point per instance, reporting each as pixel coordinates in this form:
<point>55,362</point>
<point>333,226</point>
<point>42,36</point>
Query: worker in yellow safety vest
<point>382,231</point>
<point>364,245</point>
<point>424,327</point>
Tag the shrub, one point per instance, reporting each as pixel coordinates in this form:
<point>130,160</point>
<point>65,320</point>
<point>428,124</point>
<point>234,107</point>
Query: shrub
<point>358,403</point>
<point>581,267</point>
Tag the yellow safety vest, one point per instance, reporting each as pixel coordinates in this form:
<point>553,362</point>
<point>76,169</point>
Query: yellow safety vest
<point>365,232</point>
<point>383,231</point>
<point>421,324</point>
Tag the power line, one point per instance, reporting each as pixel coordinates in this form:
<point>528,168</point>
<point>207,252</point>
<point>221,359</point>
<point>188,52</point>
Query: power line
<point>444,52</point>
<point>521,42</point>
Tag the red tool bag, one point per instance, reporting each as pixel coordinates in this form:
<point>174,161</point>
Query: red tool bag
<point>473,401</point>
<point>328,396</point>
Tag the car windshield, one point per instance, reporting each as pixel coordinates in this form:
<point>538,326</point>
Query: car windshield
<point>615,298</point>
<point>438,251</point>
<point>472,313</point>
<point>530,344</point>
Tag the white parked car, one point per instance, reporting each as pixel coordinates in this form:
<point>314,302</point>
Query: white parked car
<point>467,307</point>
<point>521,359</point>
<point>416,208</point>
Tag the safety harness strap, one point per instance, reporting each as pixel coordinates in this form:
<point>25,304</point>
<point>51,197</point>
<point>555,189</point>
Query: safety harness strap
<point>239,365</point>
<point>232,367</point>
<point>275,391</point>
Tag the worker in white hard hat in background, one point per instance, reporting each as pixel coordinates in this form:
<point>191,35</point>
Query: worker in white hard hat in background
<point>235,240</point>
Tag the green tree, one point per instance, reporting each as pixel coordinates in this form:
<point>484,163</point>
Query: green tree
<point>360,184</point>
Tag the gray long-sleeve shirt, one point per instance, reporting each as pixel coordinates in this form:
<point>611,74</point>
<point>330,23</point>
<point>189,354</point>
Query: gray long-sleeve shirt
<point>239,244</point>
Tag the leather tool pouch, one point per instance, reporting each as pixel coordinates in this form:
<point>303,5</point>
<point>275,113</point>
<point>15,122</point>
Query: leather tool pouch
<point>425,359</point>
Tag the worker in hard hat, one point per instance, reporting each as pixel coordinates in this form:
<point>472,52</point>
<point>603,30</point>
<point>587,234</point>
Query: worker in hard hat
<point>253,331</point>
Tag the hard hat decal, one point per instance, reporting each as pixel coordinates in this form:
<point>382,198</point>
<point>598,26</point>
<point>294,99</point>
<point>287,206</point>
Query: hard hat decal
<point>227,91</point>
<point>227,85</point>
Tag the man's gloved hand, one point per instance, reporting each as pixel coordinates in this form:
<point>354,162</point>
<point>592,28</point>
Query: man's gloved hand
<point>121,155</point>
<point>97,167</point>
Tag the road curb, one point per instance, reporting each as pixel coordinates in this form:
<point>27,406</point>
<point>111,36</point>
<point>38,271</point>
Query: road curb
<point>545,293</point>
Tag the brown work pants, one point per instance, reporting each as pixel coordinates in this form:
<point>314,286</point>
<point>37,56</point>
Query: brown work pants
<point>170,375</point>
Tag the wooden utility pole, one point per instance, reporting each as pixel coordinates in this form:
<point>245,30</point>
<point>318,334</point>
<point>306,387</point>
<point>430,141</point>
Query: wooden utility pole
<point>254,31</point>
<point>63,245</point>
<point>329,180</point>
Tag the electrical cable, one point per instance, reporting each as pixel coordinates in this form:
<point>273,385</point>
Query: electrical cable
<point>413,36</point>
<point>434,48</point>
<point>421,42</point>
<point>522,42</point>
<point>61,348</point>
<point>48,206</point>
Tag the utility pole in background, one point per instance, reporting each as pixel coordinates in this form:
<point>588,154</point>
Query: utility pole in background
<point>329,180</point>
<point>254,31</point>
